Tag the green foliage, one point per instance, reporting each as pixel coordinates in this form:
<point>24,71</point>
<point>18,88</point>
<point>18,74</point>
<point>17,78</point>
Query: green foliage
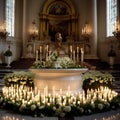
<point>8,53</point>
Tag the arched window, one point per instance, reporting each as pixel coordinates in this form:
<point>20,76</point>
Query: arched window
<point>112,6</point>
<point>10,16</point>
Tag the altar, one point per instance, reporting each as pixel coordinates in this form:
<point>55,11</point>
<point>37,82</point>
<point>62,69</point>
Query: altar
<point>59,81</point>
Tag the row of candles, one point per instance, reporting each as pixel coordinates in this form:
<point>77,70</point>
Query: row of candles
<point>29,95</point>
<point>73,53</point>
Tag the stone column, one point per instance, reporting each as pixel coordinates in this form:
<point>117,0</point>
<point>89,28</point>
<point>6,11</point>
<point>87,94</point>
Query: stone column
<point>24,27</point>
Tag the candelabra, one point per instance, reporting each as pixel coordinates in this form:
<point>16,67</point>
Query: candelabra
<point>117,35</point>
<point>34,31</point>
<point>85,33</point>
<point>3,32</point>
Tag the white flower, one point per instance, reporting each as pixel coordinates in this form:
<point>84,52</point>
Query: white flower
<point>38,104</point>
<point>54,108</point>
<point>33,107</point>
<point>81,110</point>
<point>92,105</point>
<point>62,114</point>
<point>42,107</point>
<point>1,99</point>
<point>67,108</point>
<point>100,106</point>
<point>22,107</point>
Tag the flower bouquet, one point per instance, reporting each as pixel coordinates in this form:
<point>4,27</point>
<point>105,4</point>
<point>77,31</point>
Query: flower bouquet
<point>95,79</point>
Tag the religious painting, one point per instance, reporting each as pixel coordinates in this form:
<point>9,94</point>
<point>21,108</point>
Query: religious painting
<point>58,9</point>
<point>58,26</point>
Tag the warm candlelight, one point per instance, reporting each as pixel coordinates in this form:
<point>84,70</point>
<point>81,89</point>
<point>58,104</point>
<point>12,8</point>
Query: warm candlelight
<point>71,48</point>
<point>74,55</point>
<point>77,49</point>
<point>82,55</point>
<point>40,49</point>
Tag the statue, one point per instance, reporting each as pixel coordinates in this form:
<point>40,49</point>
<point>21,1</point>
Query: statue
<point>58,45</point>
<point>58,40</point>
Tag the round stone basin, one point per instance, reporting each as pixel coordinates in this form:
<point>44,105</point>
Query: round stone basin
<point>56,80</point>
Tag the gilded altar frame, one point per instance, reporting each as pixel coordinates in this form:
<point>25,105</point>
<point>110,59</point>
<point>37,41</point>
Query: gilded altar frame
<point>58,16</point>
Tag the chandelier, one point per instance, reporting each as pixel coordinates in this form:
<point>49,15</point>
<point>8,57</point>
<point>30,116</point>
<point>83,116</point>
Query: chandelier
<point>116,32</point>
<point>3,32</point>
<point>34,31</point>
<point>85,33</point>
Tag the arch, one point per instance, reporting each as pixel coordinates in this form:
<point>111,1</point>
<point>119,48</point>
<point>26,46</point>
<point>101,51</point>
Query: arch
<point>59,16</point>
<point>68,3</point>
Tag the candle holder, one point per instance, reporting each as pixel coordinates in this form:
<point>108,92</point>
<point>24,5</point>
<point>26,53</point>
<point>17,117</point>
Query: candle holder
<point>34,31</point>
<point>3,32</point>
<point>85,33</point>
<point>117,35</point>
<point>3,35</point>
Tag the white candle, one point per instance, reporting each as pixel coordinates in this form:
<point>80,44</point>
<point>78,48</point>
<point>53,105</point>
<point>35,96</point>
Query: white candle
<point>47,47</point>
<point>71,48</point>
<point>40,49</point>
<point>74,55</point>
<point>36,55</point>
<point>77,49</point>
<point>82,55</point>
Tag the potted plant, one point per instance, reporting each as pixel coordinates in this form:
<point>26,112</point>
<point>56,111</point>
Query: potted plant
<point>111,55</point>
<point>8,54</point>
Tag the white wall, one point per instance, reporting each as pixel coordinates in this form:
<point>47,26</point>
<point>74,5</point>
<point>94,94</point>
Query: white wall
<point>26,13</point>
<point>103,41</point>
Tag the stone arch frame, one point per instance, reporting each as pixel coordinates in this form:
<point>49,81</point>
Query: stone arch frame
<point>71,19</point>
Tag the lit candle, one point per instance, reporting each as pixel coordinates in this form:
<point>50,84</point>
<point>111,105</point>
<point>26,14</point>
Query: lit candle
<point>74,55</point>
<point>77,49</point>
<point>40,49</point>
<point>71,48</point>
<point>47,47</point>
<point>82,55</point>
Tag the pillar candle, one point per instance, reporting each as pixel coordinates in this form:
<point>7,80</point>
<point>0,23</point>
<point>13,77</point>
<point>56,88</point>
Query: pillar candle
<point>82,55</point>
<point>74,55</point>
<point>77,49</point>
<point>40,49</point>
<point>71,48</point>
<point>47,47</point>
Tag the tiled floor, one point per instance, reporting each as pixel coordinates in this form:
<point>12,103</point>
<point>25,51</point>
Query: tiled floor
<point>111,115</point>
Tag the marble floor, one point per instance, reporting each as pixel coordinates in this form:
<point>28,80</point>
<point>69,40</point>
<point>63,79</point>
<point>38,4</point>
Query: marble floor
<point>111,115</point>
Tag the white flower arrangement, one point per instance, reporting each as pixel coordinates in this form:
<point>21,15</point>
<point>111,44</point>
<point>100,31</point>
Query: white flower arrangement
<point>54,61</point>
<point>20,78</point>
<point>96,78</point>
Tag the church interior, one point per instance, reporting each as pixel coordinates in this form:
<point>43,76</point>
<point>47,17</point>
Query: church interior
<point>86,31</point>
